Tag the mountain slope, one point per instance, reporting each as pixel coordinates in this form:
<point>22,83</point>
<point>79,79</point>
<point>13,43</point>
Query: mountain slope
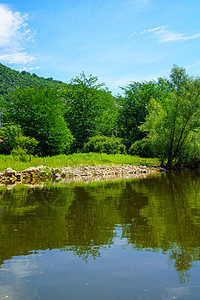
<point>10,79</point>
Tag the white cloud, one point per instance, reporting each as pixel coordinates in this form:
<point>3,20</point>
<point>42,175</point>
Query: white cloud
<point>14,34</point>
<point>127,80</point>
<point>17,58</point>
<point>132,34</point>
<point>28,69</point>
<point>152,29</point>
<point>166,35</point>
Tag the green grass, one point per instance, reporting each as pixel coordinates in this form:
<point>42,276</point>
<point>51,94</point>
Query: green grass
<point>92,159</point>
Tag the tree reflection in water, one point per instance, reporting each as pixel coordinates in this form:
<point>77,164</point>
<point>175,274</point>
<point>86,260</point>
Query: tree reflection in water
<point>160,213</point>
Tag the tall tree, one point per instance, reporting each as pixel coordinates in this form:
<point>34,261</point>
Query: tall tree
<point>133,107</point>
<point>173,119</point>
<point>39,113</point>
<point>89,109</point>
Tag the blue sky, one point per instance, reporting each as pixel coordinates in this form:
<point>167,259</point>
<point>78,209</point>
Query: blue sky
<point>118,41</point>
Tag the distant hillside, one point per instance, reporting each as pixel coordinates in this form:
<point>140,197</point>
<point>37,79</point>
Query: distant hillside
<point>10,79</point>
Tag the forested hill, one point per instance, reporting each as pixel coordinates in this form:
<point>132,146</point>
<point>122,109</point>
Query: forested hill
<point>10,79</point>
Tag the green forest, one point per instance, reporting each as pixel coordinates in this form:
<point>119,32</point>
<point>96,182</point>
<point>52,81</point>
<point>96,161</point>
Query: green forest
<point>45,117</point>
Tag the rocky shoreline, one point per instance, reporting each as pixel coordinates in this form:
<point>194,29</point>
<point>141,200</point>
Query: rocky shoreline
<point>83,173</point>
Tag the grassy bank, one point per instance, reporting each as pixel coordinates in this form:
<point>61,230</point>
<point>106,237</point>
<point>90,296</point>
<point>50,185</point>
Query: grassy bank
<point>76,159</point>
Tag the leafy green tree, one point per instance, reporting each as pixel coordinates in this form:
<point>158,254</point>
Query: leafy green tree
<point>38,111</point>
<point>89,109</point>
<point>133,107</point>
<point>173,119</point>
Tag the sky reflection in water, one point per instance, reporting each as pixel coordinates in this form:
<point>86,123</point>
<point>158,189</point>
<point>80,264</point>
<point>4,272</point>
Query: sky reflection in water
<point>129,239</point>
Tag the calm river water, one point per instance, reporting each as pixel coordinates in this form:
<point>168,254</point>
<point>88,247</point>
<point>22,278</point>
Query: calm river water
<point>129,239</point>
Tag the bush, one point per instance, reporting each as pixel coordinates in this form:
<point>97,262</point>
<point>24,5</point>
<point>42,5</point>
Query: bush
<point>27,143</point>
<point>142,148</point>
<point>103,144</point>
<point>20,154</point>
<point>8,136</point>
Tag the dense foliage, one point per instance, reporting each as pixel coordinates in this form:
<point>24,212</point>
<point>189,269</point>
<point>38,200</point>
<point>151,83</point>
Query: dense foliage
<point>39,113</point>
<point>103,144</point>
<point>10,79</point>
<point>89,109</point>
<point>142,148</point>
<point>134,107</point>
<point>153,119</point>
<point>8,136</point>
<point>173,120</point>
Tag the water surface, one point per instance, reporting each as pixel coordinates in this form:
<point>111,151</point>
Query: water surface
<point>129,239</point>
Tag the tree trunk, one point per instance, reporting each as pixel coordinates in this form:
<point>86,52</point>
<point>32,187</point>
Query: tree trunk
<point>169,163</point>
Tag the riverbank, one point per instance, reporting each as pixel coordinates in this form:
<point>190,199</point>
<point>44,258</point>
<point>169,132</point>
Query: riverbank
<point>85,173</point>
<point>76,167</point>
<point>73,160</point>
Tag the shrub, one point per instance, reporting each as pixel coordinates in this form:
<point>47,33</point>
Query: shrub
<point>27,143</point>
<point>103,144</point>
<point>142,148</point>
<point>8,136</point>
<point>20,154</point>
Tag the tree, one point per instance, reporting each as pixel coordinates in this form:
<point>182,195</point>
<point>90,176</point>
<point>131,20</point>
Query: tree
<point>173,119</point>
<point>89,109</point>
<point>134,107</point>
<point>38,111</point>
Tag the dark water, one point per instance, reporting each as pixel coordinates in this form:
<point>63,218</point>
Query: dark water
<point>130,239</point>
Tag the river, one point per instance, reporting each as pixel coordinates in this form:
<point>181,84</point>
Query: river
<point>120,240</point>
